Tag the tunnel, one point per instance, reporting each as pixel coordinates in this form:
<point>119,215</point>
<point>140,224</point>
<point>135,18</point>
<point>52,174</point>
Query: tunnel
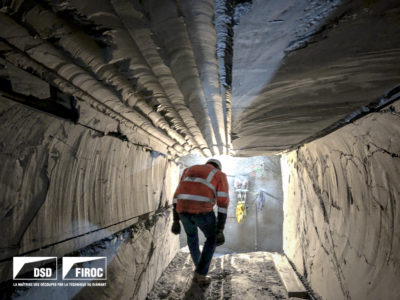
<point>104,103</point>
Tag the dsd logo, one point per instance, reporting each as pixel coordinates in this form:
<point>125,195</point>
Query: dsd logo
<point>34,268</point>
<point>84,268</point>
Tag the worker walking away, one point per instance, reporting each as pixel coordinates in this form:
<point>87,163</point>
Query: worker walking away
<point>200,187</point>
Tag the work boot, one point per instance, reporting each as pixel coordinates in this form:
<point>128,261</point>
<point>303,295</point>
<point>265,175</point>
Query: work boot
<point>201,279</point>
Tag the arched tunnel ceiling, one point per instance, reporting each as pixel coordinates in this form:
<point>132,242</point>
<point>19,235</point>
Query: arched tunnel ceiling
<point>192,78</point>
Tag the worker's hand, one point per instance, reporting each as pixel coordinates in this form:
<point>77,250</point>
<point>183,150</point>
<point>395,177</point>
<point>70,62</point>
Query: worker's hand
<point>176,227</point>
<point>220,239</point>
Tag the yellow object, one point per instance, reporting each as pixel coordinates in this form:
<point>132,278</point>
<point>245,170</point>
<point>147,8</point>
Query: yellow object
<point>240,211</point>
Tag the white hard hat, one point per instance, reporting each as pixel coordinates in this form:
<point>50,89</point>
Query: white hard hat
<point>215,161</point>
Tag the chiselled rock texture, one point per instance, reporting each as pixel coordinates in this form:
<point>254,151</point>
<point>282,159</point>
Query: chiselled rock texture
<point>61,181</point>
<point>152,64</point>
<point>99,99</point>
<point>342,209</point>
<point>204,76</point>
<point>136,258</point>
<point>139,262</point>
<point>301,66</point>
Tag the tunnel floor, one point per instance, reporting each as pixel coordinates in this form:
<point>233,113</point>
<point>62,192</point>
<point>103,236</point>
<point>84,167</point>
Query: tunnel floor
<point>234,276</point>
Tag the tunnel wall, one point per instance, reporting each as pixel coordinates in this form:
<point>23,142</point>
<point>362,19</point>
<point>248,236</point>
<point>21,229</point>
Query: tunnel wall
<point>342,209</point>
<point>136,258</point>
<point>65,186</point>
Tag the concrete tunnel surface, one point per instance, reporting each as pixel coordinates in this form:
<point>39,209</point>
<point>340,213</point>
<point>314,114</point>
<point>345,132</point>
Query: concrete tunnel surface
<point>103,103</point>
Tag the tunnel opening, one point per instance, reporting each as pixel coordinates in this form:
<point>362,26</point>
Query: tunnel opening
<point>101,102</point>
<point>255,214</point>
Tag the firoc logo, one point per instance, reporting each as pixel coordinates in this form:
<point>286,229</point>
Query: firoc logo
<point>35,268</point>
<point>84,268</point>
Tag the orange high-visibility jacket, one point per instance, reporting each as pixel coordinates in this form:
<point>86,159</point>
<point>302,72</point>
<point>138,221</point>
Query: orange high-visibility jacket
<point>200,188</point>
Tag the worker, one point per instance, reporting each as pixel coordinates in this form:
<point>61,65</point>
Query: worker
<point>200,187</point>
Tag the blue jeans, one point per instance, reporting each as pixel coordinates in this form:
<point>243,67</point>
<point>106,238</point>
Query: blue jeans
<point>207,224</point>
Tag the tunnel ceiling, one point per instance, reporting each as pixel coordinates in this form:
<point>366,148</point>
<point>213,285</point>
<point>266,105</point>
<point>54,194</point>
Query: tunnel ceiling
<point>206,76</point>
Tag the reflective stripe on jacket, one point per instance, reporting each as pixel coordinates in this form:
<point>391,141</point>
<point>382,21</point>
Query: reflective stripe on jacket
<point>200,187</point>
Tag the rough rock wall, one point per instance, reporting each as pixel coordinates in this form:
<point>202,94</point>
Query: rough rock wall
<point>152,64</point>
<point>65,185</point>
<point>139,262</point>
<point>301,66</point>
<point>136,257</point>
<point>342,209</point>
